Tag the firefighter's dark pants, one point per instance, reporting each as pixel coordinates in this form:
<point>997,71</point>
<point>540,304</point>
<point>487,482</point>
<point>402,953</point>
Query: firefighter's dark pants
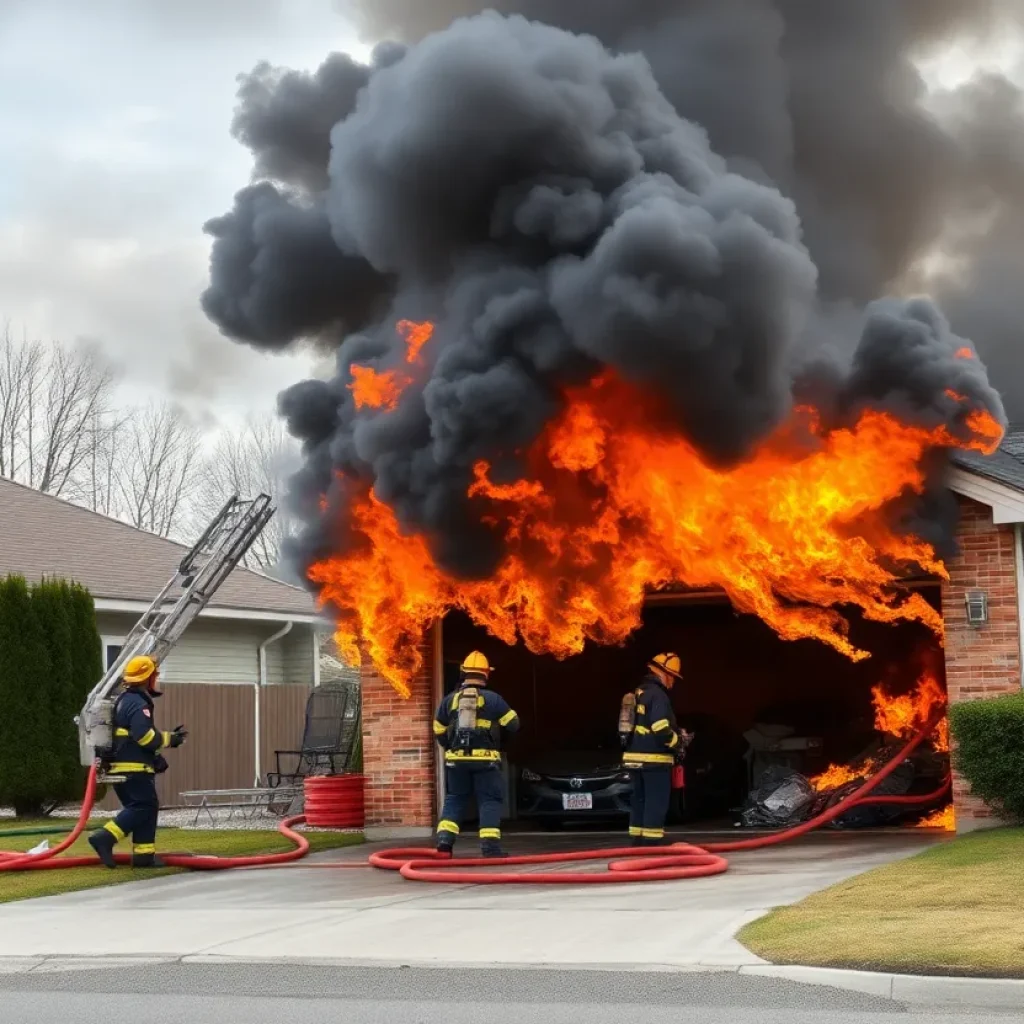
<point>140,810</point>
<point>652,790</point>
<point>462,782</point>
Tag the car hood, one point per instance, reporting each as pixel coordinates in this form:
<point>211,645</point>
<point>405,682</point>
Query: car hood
<point>575,763</point>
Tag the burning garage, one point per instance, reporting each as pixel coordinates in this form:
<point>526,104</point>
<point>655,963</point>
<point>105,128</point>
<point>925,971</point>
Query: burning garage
<point>600,391</point>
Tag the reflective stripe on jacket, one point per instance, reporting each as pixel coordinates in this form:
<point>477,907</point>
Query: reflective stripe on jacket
<point>655,737</point>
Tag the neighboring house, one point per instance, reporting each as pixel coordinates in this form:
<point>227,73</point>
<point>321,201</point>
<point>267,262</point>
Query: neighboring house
<point>212,674</point>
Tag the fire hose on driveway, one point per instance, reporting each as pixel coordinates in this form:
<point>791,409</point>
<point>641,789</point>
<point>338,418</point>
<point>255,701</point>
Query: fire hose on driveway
<point>625,864</point>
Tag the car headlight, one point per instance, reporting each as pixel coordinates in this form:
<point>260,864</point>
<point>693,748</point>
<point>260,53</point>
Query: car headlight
<point>529,776</point>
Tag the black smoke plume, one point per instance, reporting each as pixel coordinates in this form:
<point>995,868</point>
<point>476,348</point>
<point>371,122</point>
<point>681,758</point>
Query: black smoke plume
<point>555,206</point>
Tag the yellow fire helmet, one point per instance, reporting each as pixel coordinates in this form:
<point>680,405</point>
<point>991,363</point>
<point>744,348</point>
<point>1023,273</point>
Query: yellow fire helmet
<point>669,663</point>
<point>138,670</point>
<point>476,664</point>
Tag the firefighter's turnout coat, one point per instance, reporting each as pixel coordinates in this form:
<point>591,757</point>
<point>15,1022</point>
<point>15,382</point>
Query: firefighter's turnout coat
<point>494,717</point>
<point>137,743</point>
<point>654,742</point>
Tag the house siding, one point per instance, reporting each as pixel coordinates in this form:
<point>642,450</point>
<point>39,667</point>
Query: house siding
<point>227,651</point>
<point>297,655</point>
<point>220,752</point>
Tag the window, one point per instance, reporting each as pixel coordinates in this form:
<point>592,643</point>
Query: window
<point>111,650</point>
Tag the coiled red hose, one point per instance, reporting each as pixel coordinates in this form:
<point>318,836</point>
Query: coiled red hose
<point>627,864</point>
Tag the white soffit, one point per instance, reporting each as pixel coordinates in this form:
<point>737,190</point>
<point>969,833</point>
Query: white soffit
<point>1007,504</point>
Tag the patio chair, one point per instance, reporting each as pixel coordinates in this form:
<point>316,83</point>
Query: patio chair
<point>329,738</point>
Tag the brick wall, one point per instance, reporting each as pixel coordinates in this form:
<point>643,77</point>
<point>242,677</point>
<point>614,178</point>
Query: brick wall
<point>398,753</point>
<point>982,662</point>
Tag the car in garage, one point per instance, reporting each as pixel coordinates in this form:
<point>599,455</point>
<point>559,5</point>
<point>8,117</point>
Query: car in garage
<point>556,788</point>
<point>567,787</point>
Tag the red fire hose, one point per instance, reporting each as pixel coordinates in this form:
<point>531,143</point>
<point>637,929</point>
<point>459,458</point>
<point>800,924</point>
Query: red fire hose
<point>49,859</point>
<point>628,864</point>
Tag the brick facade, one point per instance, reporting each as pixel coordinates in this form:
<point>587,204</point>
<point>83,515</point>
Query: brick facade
<point>981,662</point>
<point>398,754</point>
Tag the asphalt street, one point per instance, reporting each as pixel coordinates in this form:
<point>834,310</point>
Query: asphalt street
<point>254,994</point>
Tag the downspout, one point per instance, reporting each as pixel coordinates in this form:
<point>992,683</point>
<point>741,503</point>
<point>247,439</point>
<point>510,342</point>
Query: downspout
<point>260,683</point>
<point>1018,557</point>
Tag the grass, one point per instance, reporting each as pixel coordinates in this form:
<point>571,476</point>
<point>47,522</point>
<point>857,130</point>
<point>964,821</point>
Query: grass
<point>30,884</point>
<point>954,909</point>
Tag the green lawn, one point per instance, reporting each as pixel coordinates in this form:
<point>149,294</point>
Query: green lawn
<point>28,884</point>
<point>954,909</point>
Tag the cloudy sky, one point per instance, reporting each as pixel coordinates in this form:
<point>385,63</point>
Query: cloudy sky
<point>115,149</point>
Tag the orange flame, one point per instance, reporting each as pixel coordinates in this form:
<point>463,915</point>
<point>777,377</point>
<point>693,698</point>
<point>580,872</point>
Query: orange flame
<point>964,353</point>
<point>944,818</point>
<point>903,716</point>
<point>899,717</point>
<point>837,775</point>
<point>373,389</point>
<point>613,505</point>
<point>416,336</point>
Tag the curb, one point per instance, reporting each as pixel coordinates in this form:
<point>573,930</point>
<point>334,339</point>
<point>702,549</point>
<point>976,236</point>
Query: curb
<point>934,990</point>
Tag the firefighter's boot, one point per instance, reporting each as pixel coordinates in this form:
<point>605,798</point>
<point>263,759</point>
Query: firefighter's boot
<point>147,860</point>
<point>491,849</point>
<point>445,847</point>
<point>103,843</point>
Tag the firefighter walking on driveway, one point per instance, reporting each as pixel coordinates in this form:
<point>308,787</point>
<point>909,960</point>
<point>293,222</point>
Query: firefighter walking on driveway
<point>470,725</point>
<point>653,743</point>
<point>137,757</point>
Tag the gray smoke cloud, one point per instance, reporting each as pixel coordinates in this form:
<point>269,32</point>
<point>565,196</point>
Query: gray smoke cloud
<point>823,98</point>
<point>556,206</point>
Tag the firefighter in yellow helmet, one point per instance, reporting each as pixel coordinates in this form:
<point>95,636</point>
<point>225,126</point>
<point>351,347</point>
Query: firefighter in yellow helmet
<point>652,746</point>
<point>137,746</point>
<point>470,725</point>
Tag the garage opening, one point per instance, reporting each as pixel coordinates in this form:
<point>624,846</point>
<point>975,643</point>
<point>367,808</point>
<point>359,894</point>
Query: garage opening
<point>756,704</point>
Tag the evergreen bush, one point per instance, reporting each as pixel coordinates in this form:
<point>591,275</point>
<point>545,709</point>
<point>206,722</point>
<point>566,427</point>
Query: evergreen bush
<point>990,750</point>
<point>50,658</point>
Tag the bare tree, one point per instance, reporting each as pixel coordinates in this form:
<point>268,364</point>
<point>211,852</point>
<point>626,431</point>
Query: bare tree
<point>255,460</point>
<point>155,470</point>
<point>54,404</point>
<point>20,373</point>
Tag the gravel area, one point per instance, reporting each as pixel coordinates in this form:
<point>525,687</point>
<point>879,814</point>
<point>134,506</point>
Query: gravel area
<point>185,818</point>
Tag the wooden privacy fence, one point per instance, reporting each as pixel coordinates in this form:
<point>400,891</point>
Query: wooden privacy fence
<point>220,721</point>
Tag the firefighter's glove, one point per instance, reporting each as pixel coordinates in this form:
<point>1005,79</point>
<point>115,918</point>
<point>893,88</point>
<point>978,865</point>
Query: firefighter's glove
<point>179,735</point>
<point>159,764</point>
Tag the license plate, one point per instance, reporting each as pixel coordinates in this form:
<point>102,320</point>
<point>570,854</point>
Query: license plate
<point>577,801</point>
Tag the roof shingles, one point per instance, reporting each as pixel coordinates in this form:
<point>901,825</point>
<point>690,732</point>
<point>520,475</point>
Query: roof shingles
<point>41,535</point>
<point>1004,466</point>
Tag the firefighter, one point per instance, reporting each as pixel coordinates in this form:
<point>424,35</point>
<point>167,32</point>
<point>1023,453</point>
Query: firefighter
<point>136,756</point>
<point>652,747</point>
<point>470,725</point>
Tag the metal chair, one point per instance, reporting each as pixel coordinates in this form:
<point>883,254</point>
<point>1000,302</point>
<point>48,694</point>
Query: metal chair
<point>329,738</point>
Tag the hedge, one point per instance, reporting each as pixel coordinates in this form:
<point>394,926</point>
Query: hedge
<point>989,753</point>
<point>50,657</point>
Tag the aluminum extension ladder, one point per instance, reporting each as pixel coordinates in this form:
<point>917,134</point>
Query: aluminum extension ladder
<point>199,575</point>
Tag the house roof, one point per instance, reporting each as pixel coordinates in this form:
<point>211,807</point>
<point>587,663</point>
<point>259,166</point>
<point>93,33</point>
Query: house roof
<point>1004,466</point>
<point>41,535</point>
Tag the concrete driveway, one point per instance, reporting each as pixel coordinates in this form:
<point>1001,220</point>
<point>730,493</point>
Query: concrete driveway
<point>361,916</point>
